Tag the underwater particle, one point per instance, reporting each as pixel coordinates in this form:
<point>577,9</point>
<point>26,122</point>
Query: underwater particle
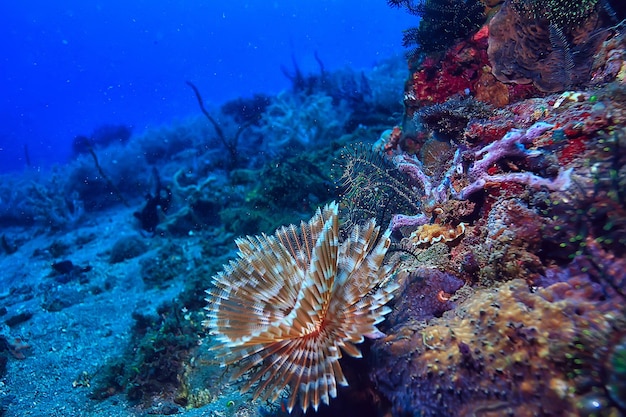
<point>616,385</point>
<point>592,405</point>
<point>290,303</point>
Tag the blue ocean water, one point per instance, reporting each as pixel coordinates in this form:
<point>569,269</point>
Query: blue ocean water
<point>69,67</point>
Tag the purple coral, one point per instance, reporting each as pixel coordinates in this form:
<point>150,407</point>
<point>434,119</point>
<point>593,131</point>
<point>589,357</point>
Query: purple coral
<point>434,192</point>
<point>414,169</point>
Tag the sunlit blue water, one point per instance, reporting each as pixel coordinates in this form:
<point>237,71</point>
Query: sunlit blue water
<point>68,67</point>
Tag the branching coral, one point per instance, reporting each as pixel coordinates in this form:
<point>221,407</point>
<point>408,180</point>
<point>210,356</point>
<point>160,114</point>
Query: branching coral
<point>300,121</point>
<point>230,143</point>
<point>512,145</point>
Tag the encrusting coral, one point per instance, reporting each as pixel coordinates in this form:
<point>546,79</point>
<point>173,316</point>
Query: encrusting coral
<point>289,303</point>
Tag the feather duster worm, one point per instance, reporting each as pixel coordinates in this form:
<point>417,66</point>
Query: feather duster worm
<point>290,303</point>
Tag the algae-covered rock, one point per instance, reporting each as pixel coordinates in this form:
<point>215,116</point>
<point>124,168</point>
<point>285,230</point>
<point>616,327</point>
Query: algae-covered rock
<point>127,247</point>
<point>509,350</point>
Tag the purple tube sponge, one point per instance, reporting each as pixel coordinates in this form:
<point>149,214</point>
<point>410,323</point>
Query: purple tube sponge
<point>400,220</point>
<point>414,169</point>
<point>560,183</point>
<point>427,293</point>
<point>512,144</point>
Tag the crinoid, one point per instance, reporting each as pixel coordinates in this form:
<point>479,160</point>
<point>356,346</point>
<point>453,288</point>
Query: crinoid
<point>442,23</point>
<point>290,303</point>
<point>373,187</point>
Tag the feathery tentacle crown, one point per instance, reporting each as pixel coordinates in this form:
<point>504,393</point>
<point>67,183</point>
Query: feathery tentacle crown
<point>289,303</point>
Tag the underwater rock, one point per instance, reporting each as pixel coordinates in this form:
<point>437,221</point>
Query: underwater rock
<point>65,271</point>
<point>548,46</point>
<point>18,317</point>
<point>57,298</point>
<point>167,264</point>
<point>426,294</point>
<point>127,247</point>
<point>503,351</point>
<point>8,245</point>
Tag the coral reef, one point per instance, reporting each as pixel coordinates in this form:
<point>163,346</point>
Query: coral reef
<point>505,351</point>
<point>42,202</point>
<point>501,267</point>
<point>522,203</point>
